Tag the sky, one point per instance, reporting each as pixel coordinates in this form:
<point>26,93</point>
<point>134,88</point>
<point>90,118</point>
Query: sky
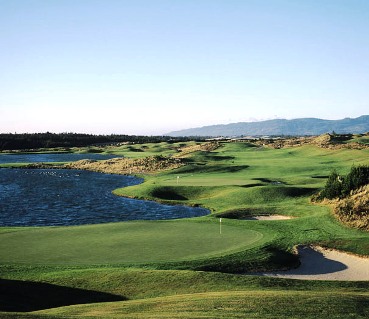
<point>150,67</point>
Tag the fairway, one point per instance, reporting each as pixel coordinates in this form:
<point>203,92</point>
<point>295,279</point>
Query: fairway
<point>121,243</point>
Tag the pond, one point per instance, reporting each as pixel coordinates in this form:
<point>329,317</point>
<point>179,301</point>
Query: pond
<point>54,197</point>
<point>51,157</point>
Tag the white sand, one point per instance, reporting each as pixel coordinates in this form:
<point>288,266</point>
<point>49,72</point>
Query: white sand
<point>318,263</point>
<point>268,217</point>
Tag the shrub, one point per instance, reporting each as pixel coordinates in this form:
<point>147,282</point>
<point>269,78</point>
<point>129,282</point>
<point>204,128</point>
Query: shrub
<point>342,186</point>
<point>333,187</point>
<point>358,176</point>
<point>354,210</point>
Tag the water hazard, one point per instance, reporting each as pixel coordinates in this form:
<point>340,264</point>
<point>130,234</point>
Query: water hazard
<point>50,157</point>
<point>51,197</point>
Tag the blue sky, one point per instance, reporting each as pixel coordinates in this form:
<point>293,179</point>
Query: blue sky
<point>150,67</point>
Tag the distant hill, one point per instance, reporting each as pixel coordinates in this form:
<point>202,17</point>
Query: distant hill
<point>295,127</point>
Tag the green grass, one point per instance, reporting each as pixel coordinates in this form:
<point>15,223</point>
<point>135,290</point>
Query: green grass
<point>250,165</point>
<point>171,268</point>
<point>235,304</point>
<point>123,243</point>
<point>363,139</point>
<point>147,291</point>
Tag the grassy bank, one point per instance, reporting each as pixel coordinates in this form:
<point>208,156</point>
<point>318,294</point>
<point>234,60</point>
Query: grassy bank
<point>95,285</point>
<point>235,304</point>
<point>144,293</point>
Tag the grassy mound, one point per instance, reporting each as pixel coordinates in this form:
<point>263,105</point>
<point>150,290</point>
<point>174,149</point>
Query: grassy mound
<point>140,287</point>
<point>235,304</point>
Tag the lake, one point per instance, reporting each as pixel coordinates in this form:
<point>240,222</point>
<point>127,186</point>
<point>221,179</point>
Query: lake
<point>51,157</point>
<point>55,197</point>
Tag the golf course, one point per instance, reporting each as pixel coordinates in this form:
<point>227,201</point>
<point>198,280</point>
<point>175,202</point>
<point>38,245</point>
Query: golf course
<point>213,266</point>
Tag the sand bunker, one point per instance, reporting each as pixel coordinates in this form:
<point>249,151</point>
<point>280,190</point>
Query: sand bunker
<point>268,217</point>
<point>318,263</point>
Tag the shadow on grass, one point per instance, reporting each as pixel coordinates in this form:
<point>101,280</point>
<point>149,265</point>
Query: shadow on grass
<point>268,181</point>
<point>252,185</point>
<point>219,157</point>
<point>243,213</point>
<point>168,193</point>
<point>24,296</point>
<point>203,168</point>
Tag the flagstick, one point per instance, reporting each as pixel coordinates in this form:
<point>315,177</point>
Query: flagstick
<point>220,226</point>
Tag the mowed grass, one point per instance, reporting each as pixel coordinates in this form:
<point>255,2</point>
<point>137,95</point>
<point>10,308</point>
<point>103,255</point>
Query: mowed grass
<point>239,176</point>
<point>239,179</point>
<point>240,164</point>
<point>123,243</point>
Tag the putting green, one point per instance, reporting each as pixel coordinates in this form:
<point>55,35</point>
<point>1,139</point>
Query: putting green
<point>119,243</point>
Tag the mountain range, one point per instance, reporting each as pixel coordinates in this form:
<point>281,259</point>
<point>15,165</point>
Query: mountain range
<point>278,127</point>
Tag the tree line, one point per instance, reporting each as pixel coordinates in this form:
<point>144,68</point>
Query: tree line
<point>9,141</point>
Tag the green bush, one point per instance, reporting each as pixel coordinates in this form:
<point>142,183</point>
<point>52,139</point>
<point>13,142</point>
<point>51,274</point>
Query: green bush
<point>333,187</point>
<point>341,186</point>
<point>358,176</point>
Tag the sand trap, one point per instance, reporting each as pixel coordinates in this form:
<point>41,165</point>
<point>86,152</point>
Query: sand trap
<point>318,263</point>
<point>268,217</point>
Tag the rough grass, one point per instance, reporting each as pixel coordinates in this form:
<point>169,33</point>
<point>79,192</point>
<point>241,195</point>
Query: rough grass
<point>148,149</point>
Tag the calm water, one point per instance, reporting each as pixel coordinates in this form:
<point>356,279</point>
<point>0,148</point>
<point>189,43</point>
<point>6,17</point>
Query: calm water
<point>50,157</point>
<point>39,197</point>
